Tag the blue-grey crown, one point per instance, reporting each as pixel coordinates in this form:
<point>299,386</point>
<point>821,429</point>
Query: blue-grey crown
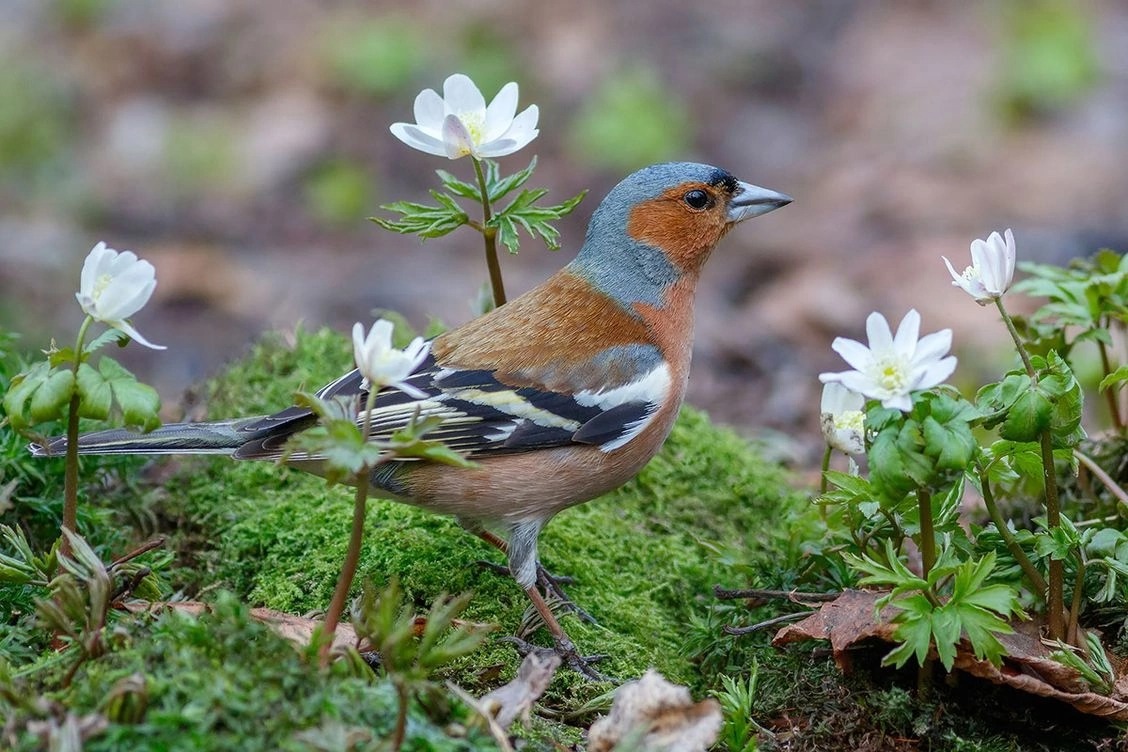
<point>625,269</point>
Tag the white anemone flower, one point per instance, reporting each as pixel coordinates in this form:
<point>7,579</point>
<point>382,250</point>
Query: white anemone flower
<point>114,286</point>
<point>843,422</point>
<point>459,123</point>
<point>892,367</point>
<point>991,270</point>
<point>381,364</point>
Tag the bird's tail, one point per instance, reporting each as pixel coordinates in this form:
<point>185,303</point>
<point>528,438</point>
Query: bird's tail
<point>221,437</point>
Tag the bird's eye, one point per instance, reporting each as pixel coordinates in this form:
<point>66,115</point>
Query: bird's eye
<point>696,199</point>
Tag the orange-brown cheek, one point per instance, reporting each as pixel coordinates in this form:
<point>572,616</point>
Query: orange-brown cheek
<point>687,238</point>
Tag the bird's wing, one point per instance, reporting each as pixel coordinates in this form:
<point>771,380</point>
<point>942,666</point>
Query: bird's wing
<point>485,413</point>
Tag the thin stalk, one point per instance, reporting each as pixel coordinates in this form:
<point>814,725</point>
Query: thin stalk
<point>927,532</point>
<point>1017,339</point>
<point>1073,629</point>
<point>400,731</point>
<point>825,467</point>
<point>489,234</point>
<point>1055,603</point>
<point>70,475</point>
<point>352,555</point>
<point>1037,581</point>
<point>823,485</point>
<point>1110,394</point>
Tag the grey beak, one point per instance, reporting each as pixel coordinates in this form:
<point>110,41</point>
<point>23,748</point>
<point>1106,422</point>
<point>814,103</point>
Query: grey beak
<point>752,201</point>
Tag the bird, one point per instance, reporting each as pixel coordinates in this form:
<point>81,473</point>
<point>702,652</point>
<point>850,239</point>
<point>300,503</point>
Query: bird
<point>557,397</point>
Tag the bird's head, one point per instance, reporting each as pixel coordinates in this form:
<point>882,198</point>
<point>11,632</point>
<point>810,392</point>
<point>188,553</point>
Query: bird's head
<point>662,222</point>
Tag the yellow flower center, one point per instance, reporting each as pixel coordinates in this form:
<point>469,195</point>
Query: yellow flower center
<point>100,285</point>
<point>850,420</point>
<point>475,126</point>
<point>891,375</point>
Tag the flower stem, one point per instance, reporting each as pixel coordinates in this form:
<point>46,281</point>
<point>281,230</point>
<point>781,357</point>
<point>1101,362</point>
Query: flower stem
<point>489,234</point>
<point>825,467</point>
<point>70,475</point>
<point>1018,343</point>
<point>352,555</point>
<point>1055,603</point>
<point>927,532</point>
<point>1073,630</point>
<point>1055,600</point>
<point>1037,581</point>
<point>1110,394</point>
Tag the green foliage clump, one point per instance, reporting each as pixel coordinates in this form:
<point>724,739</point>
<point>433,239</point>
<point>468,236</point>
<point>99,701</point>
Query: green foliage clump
<point>224,681</point>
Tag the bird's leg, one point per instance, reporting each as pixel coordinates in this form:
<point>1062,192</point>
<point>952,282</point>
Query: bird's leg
<point>551,584</point>
<point>522,552</point>
<point>565,648</point>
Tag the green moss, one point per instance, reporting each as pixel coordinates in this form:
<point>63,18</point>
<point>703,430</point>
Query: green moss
<point>639,555</point>
<point>225,681</point>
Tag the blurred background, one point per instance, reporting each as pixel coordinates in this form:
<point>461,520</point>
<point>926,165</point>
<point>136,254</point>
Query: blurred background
<point>240,146</point>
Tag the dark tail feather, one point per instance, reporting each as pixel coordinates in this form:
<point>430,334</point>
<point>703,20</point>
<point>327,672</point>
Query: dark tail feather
<point>221,437</point>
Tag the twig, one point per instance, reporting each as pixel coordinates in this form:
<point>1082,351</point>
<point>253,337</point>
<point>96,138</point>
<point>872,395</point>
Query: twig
<point>764,624</point>
<point>1105,479</point>
<point>144,548</point>
<point>791,595</point>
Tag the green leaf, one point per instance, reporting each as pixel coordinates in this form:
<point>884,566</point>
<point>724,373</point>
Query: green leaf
<point>459,187</point>
<point>498,187</point>
<point>523,213</point>
<point>95,395</point>
<point>1114,379</point>
<point>110,335</point>
<point>423,220</point>
<point>51,397</point>
<point>139,403</point>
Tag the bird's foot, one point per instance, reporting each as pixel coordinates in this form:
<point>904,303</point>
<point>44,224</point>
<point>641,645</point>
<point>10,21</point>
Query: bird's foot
<point>552,586</point>
<point>569,656</point>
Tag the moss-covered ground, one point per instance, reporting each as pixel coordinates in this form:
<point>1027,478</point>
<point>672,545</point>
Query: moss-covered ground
<point>708,510</point>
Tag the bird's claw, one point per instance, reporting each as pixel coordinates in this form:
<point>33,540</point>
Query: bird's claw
<point>569,656</point>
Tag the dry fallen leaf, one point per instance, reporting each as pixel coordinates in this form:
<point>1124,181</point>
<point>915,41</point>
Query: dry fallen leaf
<point>656,715</point>
<point>515,699</point>
<point>1027,666</point>
<point>298,629</point>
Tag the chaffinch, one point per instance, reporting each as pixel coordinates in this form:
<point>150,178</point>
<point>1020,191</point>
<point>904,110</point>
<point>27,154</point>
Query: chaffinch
<point>559,396</point>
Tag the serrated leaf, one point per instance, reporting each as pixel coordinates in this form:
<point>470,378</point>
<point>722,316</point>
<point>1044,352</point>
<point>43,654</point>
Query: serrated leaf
<point>459,187</point>
<point>497,188</point>
<point>1114,379</point>
<point>95,395</point>
<point>139,403</point>
<point>50,399</point>
<point>423,220</point>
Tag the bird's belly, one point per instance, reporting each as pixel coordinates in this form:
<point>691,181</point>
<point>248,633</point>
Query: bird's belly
<point>530,485</point>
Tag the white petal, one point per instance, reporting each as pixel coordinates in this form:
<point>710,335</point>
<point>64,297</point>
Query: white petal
<point>499,114</point>
<point>932,347</point>
<point>429,110</point>
<point>900,402</point>
<point>877,332</point>
<point>837,399</point>
<point>524,127</point>
<point>957,278</point>
<point>1012,250</point>
<point>936,373</point>
<point>124,326</point>
<point>860,383</point>
<point>417,139</point>
<point>380,335</point>
<point>92,267</point>
<point>409,390</point>
<point>498,148</point>
<point>853,352</point>
<point>456,138</point>
<point>461,96</point>
<point>908,330</point>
